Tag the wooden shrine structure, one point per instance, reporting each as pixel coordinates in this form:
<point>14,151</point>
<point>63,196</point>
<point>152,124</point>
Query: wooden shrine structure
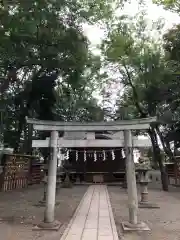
<point>92,163</point>
<point>123,139</point>
<point>97,164</point>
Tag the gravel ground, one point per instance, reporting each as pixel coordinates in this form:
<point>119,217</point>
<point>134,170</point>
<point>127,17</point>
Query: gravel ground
<point>164,222</point>
<point>19,213</point>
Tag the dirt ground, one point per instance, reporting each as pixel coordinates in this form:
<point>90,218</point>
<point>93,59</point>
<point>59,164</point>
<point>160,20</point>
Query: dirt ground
<point>19,213</point>
<point>164,222</point>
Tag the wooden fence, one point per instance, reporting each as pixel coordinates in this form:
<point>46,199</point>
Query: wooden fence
<point>36,174</point>
<point>173,172</point>
<point>16,172</point>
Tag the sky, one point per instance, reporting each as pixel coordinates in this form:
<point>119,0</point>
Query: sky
<point>154,12</point>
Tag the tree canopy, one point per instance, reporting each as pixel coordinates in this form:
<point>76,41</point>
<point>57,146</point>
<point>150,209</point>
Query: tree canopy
<point>173,5</point>
<point>43,48</point>
<point>148,69</point>
<point>48,71</point>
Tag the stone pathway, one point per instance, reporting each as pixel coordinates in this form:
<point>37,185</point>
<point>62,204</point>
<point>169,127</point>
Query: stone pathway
<point>93,219</point>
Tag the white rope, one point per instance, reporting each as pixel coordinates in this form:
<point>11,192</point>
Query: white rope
<point>90,152</point>
<point>123,153</point>
<point>59,157</point>
<point>95,156</point>
<point>76,156</point>
<point>113,155</point>
<point>66,157</point>
<point>85,156</point>
<point>104,155</point>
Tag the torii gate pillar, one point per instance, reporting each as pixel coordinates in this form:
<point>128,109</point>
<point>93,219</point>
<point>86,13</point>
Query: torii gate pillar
<point>131,187</point>
<point>49,221</point>
<point>51,186</point>
<point>131,178</point>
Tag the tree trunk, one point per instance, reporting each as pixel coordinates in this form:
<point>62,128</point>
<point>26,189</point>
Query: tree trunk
<point>29,140</point>
<point>24,110</point>
<point>152,131</point>
<point>22,122</point>
<point>166,145</point>
<point>158,158</point>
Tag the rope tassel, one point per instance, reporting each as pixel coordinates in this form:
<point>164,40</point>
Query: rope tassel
<point>95,156</point>
<point>123,153</point>
<point>76,156</point>
<point>113,155</point>
<point>67,154</point>
<point>104,155</point>
<point>85,157</point>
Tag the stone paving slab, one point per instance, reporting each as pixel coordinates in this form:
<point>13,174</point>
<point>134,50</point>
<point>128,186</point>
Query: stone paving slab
<point>93,218</point>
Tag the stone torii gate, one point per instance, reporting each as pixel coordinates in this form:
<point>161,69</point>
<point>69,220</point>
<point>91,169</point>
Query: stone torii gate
<point>128,142</point>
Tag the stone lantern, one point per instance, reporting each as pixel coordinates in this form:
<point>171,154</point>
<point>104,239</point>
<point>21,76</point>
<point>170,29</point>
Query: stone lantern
<point>67,182</point>
<point>143,178</point>
<point>44,168</point>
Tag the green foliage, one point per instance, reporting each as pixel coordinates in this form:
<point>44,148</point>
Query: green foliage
<point>172,43</point>
<point>42,44</point>
<point>173,5</point>
<point>73,106</point>
<point>150,86</point>
<point>139,62</point>
<point>36,34</point>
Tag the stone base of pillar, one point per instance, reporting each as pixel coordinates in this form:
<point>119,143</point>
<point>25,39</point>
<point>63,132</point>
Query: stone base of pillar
<point>54,226</point>
<point>144,197</point>
<point>127,227</point>
<point>147,205</point>
<point>42,203</point>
